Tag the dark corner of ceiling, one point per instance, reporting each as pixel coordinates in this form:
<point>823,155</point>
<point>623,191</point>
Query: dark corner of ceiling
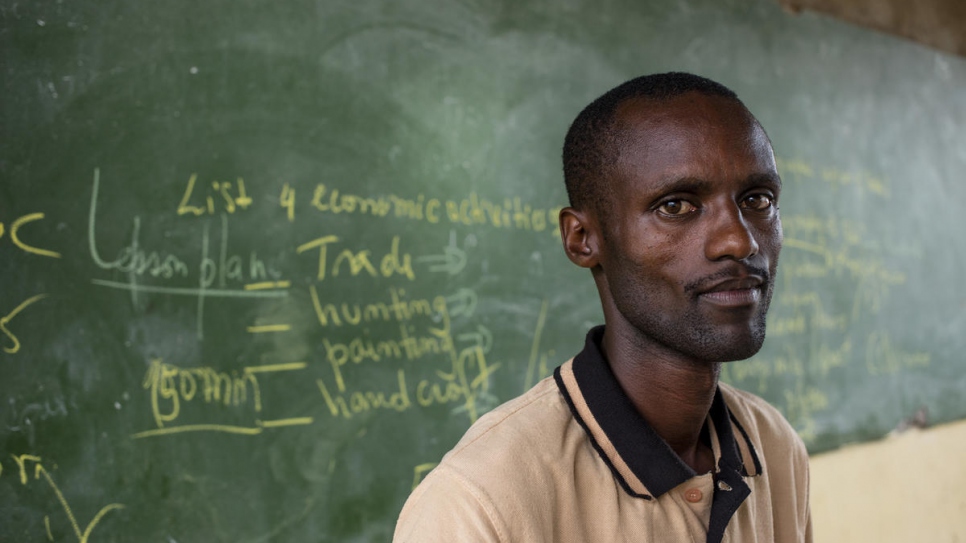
<point>940,24</point>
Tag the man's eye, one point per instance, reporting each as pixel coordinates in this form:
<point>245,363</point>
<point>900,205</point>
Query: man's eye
<point>676,207</point>
<point>757,202</point>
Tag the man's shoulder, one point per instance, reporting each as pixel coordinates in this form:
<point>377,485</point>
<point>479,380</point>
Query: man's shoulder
<point>487,487</point>
<point>534,419</point>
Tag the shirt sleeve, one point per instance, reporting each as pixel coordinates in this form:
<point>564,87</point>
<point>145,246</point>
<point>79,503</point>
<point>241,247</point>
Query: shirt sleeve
<point>446,508</point>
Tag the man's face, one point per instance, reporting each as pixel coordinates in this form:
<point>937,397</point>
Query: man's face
<point>691,235</point>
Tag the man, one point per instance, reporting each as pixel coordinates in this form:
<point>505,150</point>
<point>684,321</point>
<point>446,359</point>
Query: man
<point>674,209</point>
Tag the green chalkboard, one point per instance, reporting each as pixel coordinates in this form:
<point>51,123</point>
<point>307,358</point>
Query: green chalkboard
<point>262,263</point>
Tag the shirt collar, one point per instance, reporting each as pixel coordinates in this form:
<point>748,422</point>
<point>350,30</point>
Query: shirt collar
<point>642,461</point>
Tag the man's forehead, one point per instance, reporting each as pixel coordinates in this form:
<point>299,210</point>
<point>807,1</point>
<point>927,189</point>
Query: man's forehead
<point>692,107</point>
<point>690,133</point>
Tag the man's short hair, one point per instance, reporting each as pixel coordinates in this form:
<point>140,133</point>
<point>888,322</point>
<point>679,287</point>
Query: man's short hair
<point>593,141</point>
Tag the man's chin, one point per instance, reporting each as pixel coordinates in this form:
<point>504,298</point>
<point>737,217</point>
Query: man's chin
<point>739,354</point>
<point>736,346</point>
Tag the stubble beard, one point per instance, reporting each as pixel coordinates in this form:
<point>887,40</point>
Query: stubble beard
<point>691,333</point>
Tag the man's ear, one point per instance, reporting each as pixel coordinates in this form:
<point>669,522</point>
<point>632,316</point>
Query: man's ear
<point>579,232</point>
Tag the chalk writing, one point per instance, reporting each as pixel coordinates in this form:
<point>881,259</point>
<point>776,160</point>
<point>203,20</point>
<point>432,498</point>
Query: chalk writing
<point>174,385</point>
<point>252,277</point>
<point>407,345</point>
<point>230,267</point>
<point>472,210</point>
<point>882,357</point>
<point>481,337</point>
<point>802,403</point>
<point>134,260</point>
<point>533,370</point>
<point>804,312</point>
<point>177,291</point>
<point>399,308</point>
<point>228,202</point>
<point>453,258</point>
<point>226,268</point>
<point>171,387</point>
<point>458,385</point>
<point>392,263</point>
<point>131,259</point>
<point>465,383</point>
<point>463,302</point>
<point>348,405</point>
<point>461,384</point>
<point>264,328</point>
<point>23,462</point>
<point>837,261</point>
<point>287,201</point>
<point>798,170</point>
<point>268,285</point>
<point>14,344</point>
<point>19,243</point>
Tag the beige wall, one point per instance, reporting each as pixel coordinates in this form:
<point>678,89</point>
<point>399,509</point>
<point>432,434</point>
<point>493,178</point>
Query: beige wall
<point>907,488</point>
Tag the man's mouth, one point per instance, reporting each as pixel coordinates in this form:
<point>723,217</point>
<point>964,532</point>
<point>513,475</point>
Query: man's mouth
<point>734,292</point>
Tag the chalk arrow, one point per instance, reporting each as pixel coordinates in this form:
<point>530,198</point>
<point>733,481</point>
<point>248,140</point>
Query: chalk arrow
<point>482,337</point>
<point>462,302</point>
<point>452,261</point>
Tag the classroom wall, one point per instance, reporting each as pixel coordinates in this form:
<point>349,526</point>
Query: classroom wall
<point>263,263</point>
<point>906,487</point>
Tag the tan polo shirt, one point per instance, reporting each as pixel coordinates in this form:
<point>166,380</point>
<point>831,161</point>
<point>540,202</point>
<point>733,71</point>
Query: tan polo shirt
<point>572,461</point>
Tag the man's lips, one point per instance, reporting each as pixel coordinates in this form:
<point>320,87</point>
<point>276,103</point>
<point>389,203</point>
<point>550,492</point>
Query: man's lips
<point>735,292</point>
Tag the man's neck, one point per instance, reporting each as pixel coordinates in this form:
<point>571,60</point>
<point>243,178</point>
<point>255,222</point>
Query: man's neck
<point>672,393</point>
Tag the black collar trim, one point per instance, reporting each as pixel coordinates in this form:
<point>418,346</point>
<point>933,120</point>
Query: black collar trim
<point>646,454</point>
<point>600,451</point>
<point>751,448</point>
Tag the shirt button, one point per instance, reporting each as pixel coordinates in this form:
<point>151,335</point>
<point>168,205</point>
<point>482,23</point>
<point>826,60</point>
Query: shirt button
<point>693,495</point>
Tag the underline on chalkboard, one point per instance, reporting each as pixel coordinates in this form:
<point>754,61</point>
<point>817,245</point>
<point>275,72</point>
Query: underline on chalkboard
<point>225,428</point>
<point>268,285</point>
<point>297,421</point>
<point>245,430</point>
<point>269,328</point>
<point>214,292</point>
<point>277,367</point>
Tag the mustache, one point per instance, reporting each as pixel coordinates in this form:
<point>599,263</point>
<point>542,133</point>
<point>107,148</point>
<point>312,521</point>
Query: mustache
<point>735,272</point>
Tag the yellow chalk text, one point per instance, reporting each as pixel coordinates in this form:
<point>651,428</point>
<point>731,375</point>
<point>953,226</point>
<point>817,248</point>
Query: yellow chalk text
<point>14,343</point>
<point>359,262</point>
<point>40,473</point>
<point>222,196</point>
<point>15,227</point>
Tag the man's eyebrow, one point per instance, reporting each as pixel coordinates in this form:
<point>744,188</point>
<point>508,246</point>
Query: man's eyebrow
<point>686,184</point>
<point>764,178</point>
<point>698,185</point>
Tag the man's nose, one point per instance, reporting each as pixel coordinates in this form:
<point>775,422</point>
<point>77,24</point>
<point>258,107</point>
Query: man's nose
<point>729,235</point>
